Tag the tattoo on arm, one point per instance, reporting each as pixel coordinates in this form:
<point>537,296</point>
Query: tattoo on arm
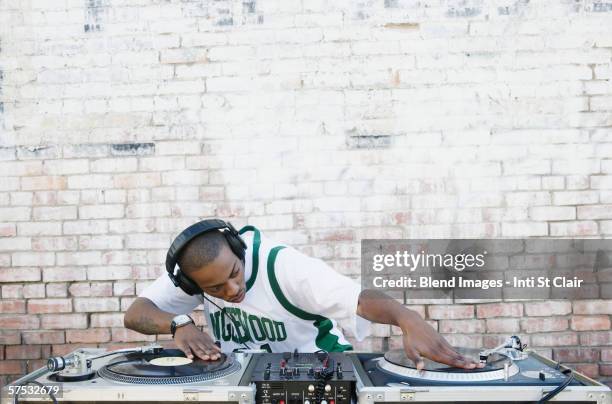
<point>147,325</point>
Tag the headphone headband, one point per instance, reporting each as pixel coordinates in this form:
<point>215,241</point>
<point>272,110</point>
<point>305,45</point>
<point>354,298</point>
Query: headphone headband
<point>236,244</point>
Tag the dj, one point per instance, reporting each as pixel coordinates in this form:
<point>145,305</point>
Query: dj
<point>266,295</point>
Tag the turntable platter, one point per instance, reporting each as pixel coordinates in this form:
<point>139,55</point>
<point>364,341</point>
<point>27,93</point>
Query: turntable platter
<point>397,366</point>
<point>495,361</point>
<point>159,368</point>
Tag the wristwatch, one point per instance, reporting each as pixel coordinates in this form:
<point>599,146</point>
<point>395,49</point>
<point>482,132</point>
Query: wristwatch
<point>180,321</point>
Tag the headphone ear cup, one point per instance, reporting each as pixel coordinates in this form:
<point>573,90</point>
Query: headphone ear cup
<point>236,244</point>
<point>186,284</point>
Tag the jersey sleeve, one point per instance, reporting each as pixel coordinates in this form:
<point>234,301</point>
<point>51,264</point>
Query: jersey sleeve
<point>315,287</point>
<point>170,298</point>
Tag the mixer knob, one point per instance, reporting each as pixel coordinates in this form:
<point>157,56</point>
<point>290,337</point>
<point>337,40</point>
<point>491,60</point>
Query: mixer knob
<point>311,388</point>
<point>323,401</point>
<point>306,401</point>
<point>327,388</point>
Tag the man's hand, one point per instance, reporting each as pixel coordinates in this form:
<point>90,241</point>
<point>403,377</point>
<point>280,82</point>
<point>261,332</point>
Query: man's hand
<point>420,339</point>
<point>192,341</point>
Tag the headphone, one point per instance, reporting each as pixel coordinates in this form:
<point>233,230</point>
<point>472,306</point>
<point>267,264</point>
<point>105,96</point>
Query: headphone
<point>179,279</point>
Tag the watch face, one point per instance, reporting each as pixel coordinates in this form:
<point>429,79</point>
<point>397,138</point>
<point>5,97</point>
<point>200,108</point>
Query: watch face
<point>182,320</point>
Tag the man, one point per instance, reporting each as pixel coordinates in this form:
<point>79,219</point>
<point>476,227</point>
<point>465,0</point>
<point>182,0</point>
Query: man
<point>266,295</point>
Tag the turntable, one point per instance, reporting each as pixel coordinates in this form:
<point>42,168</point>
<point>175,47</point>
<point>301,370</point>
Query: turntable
<point>145,374</point>
<point>510,374</point>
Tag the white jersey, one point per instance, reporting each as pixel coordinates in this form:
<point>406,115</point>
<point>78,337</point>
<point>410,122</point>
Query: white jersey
<point>292,302</point>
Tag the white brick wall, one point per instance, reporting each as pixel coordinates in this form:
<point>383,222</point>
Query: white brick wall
<point>121,122</point>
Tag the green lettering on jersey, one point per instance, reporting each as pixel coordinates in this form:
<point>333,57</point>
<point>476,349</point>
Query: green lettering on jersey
<point>257,328</point>
<point>240,326</point>
<point>268,327</point>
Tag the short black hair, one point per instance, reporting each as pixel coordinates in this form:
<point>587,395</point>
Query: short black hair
<point>201,251</point>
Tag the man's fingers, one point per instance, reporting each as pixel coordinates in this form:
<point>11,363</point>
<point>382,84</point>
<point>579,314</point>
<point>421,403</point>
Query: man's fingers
<point>211,354</point>
<point>186,350</point>
<point>198,351</point>
<point>415,357</point>
<point>456,359</point>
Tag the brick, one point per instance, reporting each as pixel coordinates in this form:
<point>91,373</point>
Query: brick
<point>110,211</point>
<point>461,326</point>
<point>12,291</point>
<point>12,306</point>
<point>606,354</point>
<point>548,308</point>
<point>65,166</point>
<point>595,212</point>
<point>54,213</point>
<point>39,229</point>
<point>15,243</point>
<point>590,323</point>
<point>576,355</point>
<point>450,312</point>
<point>54,243</point>
<point>19,274</point>
<point>577,228</point>
<point>14,367</point>
<point>503,325</point>
<point>532,325</point>
<point>499,310</point>
<point>57,290</point>
<point>125,288</point>
<point>105,242</point>
<point>87,304</point>
<point>543,213</point>
<point>109,273</point>
<point>147,241</point>
<point>23,352</point>
<point>37,306</point>
<point>107,320</point>
<point>64,349</point>
<point>595,338</point>
<point>90,181</point>
<point>15,214</point>
<point>554,339</point>
<point>115,165</point>
<point>43,183</point>
<point>18,322</point>
<point>605,369</point>
<point>32,259</point>
<point>593,307</point>
<point>90,336</point>
<point>524,229</point>
<point>79,258</point>
<point>91,289</point>
<point>34,290</point>
<point>64,321</point>
<point>63,274</point>
<point>588,369</point>
<point>85,227</point>
<point>125,335</point>
<point>8,230</point>
<point>9,337</point>
<point>46,337</point>
<point>148,180</point>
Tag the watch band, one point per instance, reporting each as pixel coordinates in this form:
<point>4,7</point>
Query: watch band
<point>174,326</point>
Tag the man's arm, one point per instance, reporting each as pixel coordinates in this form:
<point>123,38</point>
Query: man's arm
<point>419,337</point>
<point>145,317</point>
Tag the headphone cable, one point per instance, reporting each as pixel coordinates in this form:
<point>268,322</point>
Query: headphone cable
<point>227,316</point>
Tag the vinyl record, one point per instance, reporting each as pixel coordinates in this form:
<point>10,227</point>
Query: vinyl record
<point>495,361</point>
<point>142,368</point>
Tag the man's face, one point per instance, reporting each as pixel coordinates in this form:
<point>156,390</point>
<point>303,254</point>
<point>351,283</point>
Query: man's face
<point>223,277</point>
